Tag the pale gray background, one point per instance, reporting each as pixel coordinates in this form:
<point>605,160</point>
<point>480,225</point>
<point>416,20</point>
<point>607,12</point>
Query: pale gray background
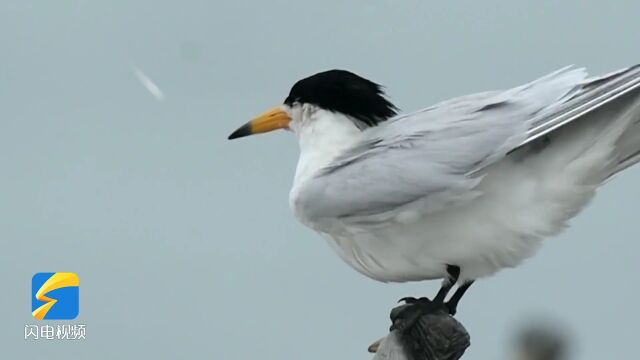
<point>184,242</point>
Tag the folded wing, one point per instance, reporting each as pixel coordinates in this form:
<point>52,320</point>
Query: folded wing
<point>431,159</point>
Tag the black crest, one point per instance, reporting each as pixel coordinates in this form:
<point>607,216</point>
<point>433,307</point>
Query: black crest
<point>345,92</point>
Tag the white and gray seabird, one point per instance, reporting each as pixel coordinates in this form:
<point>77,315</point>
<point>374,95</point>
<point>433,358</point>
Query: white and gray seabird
<point>458,190</point>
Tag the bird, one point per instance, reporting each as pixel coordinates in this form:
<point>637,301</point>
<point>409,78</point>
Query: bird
<point>458,190</point>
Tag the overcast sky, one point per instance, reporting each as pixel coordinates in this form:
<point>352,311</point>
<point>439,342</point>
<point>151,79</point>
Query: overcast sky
<point>184,242</point>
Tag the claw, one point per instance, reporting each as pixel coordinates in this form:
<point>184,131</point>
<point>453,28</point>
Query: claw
<point>408,300</point>
<point>412,300</point>
<point>405,316</point>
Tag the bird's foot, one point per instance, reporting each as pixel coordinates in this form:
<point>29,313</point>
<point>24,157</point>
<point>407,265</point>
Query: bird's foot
<point>406,315</point>
<point>452,307</point>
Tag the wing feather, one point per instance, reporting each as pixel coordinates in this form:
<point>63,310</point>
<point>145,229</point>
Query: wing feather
<point>432,158</point>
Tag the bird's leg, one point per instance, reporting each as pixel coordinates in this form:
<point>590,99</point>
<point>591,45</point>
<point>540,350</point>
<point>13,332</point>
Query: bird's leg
<point>447,284</point>
<point>405,316</point>
<point>452,304</point>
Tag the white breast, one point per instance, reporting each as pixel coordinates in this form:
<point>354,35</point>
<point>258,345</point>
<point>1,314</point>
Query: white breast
<point>322,135</point>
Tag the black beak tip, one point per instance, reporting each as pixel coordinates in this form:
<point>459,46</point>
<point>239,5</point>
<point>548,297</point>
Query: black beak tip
<point>244,130</point>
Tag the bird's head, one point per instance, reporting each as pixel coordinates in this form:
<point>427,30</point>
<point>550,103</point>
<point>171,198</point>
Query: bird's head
<point>337,91</point>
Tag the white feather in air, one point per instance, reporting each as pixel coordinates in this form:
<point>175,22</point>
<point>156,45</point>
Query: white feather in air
<point>148,84</point>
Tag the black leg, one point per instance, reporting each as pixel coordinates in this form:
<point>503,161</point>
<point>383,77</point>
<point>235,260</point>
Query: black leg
<point>447,284</point>
<point>405,316</point>
<point>452,304</point>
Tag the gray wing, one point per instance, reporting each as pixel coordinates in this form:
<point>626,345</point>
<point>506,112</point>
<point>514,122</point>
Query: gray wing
<point>590,95</point>
<point>429,160</point>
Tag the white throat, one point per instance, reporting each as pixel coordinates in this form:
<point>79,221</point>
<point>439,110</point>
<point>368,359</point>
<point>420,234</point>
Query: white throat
<point>322,136</point>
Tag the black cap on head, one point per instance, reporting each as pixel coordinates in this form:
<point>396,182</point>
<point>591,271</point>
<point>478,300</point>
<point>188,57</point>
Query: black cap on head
<point>345,92</point>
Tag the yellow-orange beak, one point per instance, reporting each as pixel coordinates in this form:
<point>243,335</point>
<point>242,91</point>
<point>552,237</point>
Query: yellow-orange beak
<point>273,119</point>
